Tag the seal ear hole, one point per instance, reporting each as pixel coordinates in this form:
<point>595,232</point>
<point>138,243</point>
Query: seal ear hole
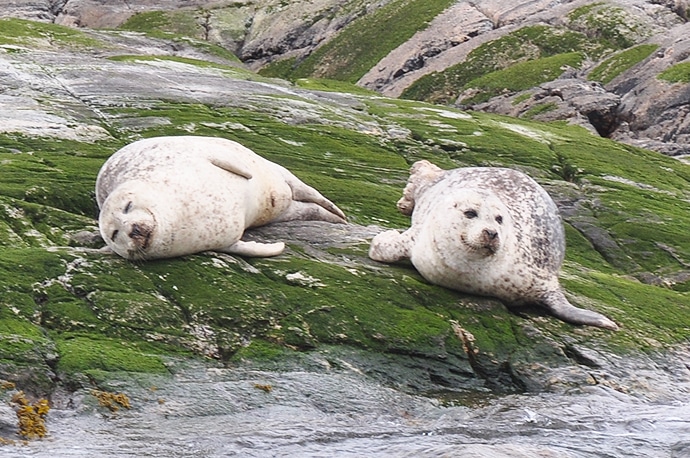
<point>115,232</point>
<point>128,207</point>
<point>470,214</point>
<point>499,219</point>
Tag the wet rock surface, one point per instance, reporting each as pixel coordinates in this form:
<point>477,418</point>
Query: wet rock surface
<point>357,354</point>
<point>327,406</point>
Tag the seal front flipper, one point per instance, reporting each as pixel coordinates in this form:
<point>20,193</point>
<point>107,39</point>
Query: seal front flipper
<point>390,246</point>
<point>559,306</point>
<point>255,249</point>
<point>236,167</point>
<point>422,173</point>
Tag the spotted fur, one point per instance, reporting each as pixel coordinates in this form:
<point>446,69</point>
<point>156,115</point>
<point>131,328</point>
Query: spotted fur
<point>172,196</point>
<point>484,230</point>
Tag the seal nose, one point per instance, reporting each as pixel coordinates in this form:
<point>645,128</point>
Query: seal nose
<point>490,234</point>
<point>140,235</point>
<point>137,230</point>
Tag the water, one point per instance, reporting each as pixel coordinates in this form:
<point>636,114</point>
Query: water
<point>212,412</point>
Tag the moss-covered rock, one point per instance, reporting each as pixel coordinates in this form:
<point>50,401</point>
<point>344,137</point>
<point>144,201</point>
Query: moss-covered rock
<point>606,71</point>
<point>74,315</point>
<point>363,43</point>
<point>679,73</point>
<point>523,45</point>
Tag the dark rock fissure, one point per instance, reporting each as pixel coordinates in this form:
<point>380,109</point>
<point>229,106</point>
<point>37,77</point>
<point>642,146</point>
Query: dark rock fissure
<point>56,7</point>
<point>604,123</point>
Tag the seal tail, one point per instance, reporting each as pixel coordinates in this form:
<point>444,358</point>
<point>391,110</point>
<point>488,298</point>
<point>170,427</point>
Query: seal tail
<point>302,192</point>
<point>559,306</point>
<point>308,203</point>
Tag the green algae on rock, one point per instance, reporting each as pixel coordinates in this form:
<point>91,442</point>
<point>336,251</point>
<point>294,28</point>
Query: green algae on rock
<point>620,62</point>
<point>76,316</point>
<point>362,43</point>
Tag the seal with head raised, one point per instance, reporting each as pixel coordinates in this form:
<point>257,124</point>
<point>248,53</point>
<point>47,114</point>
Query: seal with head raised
<point>484,230</point>
<point>172,196</point>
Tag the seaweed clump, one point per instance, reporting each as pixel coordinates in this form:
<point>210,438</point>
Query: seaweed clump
<point>32,416</point>
<point>112,401</point>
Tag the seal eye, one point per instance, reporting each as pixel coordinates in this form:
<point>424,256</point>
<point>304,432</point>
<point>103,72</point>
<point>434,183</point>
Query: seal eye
<point>128,207</point>
<point>115,232</point>
<point>470,214</point>
<point>499,219</point>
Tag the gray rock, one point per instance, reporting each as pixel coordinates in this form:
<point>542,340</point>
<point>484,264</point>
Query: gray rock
<point>574,99</point>
<point>40,10</point>
<point>654,113</point>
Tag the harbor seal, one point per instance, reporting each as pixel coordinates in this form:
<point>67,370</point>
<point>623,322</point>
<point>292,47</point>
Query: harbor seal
<point>171,196</point>
<point>487,231</point>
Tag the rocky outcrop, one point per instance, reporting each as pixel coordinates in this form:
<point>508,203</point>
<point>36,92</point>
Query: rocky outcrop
<point>70,102</point>
<point>295,29</point>
<point>636,107</point>
<point>449,38</point>
<point>655,113</point>
<point>41,10</point>
<point>321,338</point>
<point>480,22</point>
<point>257,31</point>
<point>581,102</point>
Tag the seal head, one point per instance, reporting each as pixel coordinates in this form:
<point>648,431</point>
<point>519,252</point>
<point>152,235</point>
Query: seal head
<point>474,225</point>
<point>128,224</point>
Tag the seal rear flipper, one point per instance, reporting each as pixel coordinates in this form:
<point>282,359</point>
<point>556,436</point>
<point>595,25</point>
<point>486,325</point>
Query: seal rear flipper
<point>236,167</point>
<point>255,249</point>
<point>308,211</point>
<point>559,306</point>
<point>302,192</point>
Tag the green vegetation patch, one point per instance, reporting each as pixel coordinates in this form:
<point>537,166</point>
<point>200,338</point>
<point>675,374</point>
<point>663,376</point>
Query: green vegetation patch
<point>521,76</point>
<point>638,306</point>
<point>528,43</point>
<point>21,340</point>
<point>321,84</point>
<point>620,63</point>
<point>31,33</point>
<point>364,42</point>
<point>612,26</point>
<point>57,173</point>
<point>538,109</point>
<point>260,350</point>
<point>679,73</point>
<point>181,23</point>
<point>185,27</point>
<point>86,353</point>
